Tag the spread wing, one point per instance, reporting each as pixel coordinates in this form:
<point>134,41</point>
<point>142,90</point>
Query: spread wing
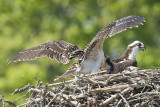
<point>61,50</point>
<point>112,29</point>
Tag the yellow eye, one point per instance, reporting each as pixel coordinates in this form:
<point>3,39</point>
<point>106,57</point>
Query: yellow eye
<point>138,44</point>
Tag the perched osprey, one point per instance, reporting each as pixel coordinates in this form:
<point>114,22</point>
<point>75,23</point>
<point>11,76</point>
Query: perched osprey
<point>128,58</point>
<point>91,58</point>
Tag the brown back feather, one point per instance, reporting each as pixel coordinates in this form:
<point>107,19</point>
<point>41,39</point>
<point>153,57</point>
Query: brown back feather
<point>119,67</point>
<point>124,56</point>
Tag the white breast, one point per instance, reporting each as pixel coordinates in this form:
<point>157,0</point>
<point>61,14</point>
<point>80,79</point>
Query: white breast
<point>92,65</point>
<point>134,53</point>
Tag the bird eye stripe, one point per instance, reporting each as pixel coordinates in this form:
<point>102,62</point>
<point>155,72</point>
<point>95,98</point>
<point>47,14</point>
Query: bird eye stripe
<point>138,44</point>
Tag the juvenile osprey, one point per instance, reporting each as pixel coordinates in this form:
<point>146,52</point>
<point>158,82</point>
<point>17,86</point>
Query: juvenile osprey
<point>128,58</point>
<point>91,58</point>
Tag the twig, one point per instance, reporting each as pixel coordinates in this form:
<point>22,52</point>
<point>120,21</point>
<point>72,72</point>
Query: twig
<point>115,88</point>
<point>119,102</point>
<point>112,98</point>
<point>21,97</point>
<point>94,82</point>
<point>43,96</point>
<point>10,103</point>
<point>124,100</point>
<point>115,76</point>
<point>22,89</point>
<point>1,98</point>
<point>55,84</point>
<point>56,96</point>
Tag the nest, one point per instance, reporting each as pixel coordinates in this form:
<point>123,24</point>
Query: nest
<point>139,88</point>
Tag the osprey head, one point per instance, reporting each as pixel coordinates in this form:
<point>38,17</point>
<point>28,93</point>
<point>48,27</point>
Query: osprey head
<point>135,47</point>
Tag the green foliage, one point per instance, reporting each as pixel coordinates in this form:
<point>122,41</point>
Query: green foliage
<point>24,24</point>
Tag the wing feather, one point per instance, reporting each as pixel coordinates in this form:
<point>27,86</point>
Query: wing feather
<point>114,28</point>
<point>126,22</point>
<point>61,50</point>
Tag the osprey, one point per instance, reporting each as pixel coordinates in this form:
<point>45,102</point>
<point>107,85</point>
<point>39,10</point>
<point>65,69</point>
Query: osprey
<point>91,58</point>
<point>128,58</point>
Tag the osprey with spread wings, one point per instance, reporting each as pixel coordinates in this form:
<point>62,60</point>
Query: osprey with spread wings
<point>89,59</point>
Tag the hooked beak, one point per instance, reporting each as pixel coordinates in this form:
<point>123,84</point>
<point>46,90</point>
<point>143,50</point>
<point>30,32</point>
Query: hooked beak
<point>143,48</point>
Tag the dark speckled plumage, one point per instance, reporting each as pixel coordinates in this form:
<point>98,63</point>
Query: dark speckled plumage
<point>108,31</point>
<point>63,51</point>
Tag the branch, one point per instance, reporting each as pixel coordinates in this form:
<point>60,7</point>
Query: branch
<point>115,88</point>
<point>112,98</point>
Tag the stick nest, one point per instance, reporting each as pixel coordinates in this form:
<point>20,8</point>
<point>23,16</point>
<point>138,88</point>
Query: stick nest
<point>139,88</point>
